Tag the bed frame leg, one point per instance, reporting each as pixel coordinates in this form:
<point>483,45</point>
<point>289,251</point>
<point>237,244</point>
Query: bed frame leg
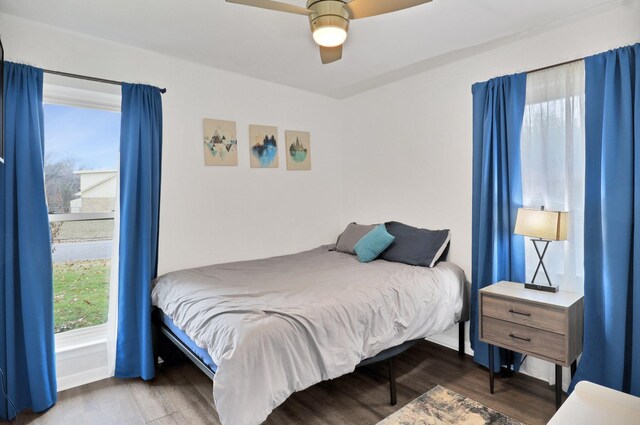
<point>461,339</point>
<point>392,381</point>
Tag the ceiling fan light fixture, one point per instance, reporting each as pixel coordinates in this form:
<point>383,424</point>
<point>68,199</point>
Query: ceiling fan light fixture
<point>329,22</point>
<point>330,36</point>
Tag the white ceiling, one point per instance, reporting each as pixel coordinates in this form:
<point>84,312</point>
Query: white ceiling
<point>278,47</point>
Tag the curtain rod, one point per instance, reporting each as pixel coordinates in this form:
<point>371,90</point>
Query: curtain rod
<point>554,65</point>
<point>85,77</point>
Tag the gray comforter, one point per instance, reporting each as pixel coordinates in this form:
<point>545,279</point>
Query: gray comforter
<point>282,324</point>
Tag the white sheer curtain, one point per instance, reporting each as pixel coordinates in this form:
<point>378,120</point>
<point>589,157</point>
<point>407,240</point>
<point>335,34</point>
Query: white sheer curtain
<point>553,175</point>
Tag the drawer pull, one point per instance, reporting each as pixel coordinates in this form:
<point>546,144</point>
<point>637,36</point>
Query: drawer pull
<point>520,338</point>
<point>520,313</point>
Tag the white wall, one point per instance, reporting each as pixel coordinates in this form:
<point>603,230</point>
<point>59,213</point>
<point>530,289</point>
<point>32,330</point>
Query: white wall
<point>213,214</point>
<point>409,153</point>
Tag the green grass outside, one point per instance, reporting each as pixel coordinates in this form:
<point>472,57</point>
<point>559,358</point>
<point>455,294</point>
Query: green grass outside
<point>80,294</point>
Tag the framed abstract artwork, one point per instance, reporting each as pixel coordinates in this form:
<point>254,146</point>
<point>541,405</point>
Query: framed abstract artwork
<point>298,150</point>
<point>263,147</point>
<point>220,143</point>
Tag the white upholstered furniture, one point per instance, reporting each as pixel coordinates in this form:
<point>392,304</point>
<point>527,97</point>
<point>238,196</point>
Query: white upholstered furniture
<point>592,404</point>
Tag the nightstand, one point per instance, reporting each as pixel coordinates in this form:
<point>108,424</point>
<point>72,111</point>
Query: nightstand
<point>545,325</point>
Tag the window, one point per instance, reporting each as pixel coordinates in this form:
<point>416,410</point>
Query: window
<point>552,157</point>
<point>81,159</point>
<point>552,150</point>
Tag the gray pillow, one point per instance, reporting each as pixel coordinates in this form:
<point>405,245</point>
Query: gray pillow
<point>417,247</point>
<point>350,237</point>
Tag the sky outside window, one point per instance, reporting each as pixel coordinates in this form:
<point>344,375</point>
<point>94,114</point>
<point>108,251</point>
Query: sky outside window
<point>89,136</point>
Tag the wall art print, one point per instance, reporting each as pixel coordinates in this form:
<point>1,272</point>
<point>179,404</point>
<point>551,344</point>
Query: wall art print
<point>220,143</point>
<point>298,145</point>
<point>263,147</point>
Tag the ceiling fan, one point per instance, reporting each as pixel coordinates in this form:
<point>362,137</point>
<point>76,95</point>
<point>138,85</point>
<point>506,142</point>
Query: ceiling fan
<point>329,19</point>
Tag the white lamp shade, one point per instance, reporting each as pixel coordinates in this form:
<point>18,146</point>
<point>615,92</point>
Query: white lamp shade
<point>543,224</point>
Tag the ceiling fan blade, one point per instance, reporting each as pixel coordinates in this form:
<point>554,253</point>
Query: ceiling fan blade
<point>273,5</point>
<point>365,8</point>
<point>330,54</point>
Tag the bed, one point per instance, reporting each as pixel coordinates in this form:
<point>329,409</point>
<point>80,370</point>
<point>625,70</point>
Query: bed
<point>264,329</point>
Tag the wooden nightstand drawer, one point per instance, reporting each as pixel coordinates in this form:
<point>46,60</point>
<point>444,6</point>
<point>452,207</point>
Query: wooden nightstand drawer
<point>524,339</point>
<point>525,313</point>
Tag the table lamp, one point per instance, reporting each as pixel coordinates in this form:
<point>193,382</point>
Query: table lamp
<point>543,227</point>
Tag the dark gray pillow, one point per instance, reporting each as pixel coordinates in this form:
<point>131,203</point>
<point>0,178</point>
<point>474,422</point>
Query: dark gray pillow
<point>350,237</point>
<point>417,247</point>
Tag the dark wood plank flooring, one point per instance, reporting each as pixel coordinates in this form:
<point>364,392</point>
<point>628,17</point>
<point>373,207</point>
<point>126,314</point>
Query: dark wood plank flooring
<point>181,394</point>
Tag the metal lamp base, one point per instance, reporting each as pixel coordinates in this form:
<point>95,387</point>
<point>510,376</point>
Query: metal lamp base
<point>535,286</point>
<point>545,288</point>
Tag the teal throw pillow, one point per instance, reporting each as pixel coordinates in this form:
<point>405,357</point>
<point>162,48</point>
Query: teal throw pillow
<point>373,243</point>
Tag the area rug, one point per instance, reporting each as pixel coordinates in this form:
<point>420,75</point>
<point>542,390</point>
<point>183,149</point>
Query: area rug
<point>440,406</point>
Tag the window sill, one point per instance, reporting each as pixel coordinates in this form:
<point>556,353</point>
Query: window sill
<point>81,338</point>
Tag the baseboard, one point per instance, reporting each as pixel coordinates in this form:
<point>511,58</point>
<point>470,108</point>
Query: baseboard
<point>450,342</point>
<point>82,378</point>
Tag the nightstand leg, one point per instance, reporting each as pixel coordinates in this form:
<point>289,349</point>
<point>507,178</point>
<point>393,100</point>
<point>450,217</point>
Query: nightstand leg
<point>491,368</point>
<point>558,386</point>
<point>573,367</point>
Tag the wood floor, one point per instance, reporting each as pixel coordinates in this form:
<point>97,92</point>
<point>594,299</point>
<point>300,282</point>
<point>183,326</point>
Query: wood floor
<point>182,395</point>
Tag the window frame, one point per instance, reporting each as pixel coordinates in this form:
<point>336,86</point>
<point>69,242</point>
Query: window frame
<point>58,218</point>
<point>88,345</point>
